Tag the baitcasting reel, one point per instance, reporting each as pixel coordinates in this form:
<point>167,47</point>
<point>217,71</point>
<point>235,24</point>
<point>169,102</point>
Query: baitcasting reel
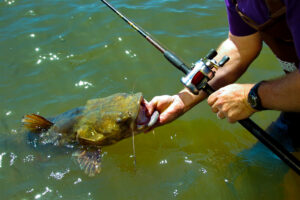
<point>202,72</point>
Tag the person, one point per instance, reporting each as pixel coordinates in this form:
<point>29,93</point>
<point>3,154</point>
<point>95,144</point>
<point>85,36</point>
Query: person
<point>251,22</point>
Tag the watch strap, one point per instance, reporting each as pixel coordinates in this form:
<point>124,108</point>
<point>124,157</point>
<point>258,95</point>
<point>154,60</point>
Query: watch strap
<point>254,95</point>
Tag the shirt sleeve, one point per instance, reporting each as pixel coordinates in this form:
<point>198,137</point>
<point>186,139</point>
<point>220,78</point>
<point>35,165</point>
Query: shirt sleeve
<point>293,21</point>
<point>236,25</point>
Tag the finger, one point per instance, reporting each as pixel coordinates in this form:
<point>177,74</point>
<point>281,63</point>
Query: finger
<point>152,105</point>
<point>231,117</point>
<point>231,120</point>
<point>212,98</point>
<point>153,123</point>
<point>220,115</point>
<point>149,108</point>
<point>145,101</point>
<point>168,115</point>
<point>154,118</point>
<point>214,109</point>
<point>156,124</point>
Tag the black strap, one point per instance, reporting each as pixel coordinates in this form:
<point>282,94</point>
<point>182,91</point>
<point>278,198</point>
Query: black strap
<point>274,6</point>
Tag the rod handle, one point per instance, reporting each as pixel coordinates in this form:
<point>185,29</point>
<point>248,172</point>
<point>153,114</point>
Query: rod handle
<point>266,139</point>
<point>179,64</point>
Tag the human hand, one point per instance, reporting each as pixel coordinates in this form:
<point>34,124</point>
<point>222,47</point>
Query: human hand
<point>231,102</point>
<point>169,107</point>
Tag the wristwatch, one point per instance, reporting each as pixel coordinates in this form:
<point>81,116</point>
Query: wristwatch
<point>253,98</point>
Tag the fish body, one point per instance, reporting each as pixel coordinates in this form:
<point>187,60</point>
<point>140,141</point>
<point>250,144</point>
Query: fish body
<point>102,121</point>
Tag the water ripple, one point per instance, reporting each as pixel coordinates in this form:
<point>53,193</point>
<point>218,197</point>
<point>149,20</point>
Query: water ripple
<point>59,175</point>
<point>1,158</point>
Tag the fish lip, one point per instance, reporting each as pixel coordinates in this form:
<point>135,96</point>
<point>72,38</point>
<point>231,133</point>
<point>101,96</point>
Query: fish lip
<point>141,105</point>
<point>150,121</point>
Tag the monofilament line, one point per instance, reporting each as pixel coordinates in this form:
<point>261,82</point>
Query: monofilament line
<point>133,150</point>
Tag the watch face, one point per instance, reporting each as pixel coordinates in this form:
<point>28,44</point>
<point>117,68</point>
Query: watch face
<point>252,99</point>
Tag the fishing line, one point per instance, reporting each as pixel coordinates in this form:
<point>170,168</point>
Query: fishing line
<point>133,151</point>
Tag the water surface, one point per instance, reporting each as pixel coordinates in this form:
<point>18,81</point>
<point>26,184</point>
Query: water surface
<point>55,55</point>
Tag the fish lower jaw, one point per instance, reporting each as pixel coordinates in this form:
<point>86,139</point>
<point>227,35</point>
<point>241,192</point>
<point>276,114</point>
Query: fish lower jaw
<point>153,119</point>
<point>140,127</point>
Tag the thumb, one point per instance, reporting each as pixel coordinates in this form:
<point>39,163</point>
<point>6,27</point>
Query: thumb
<point>151,106</point>
<point>168,115</point>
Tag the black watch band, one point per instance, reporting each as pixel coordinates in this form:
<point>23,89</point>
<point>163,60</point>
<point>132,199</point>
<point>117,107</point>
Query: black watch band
<point>253,97</point>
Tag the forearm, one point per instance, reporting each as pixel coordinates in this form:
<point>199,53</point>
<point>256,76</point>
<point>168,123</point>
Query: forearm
<point>240,59</point>
<point>282,94</point>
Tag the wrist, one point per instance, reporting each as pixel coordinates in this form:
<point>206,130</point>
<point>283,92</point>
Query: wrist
<point>254,99</point>
<point>189,100</point>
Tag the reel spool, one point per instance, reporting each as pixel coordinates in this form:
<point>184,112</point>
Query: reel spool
<point>202,72</point>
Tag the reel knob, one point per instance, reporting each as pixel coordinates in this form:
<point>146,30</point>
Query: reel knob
<point>224,60</point>
<point>211,54</point>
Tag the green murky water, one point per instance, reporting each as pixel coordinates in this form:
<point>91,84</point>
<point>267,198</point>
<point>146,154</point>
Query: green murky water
<point>55,55</point>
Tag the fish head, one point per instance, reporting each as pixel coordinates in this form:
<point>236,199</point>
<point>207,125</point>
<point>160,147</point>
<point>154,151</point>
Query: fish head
<point>108,120</point>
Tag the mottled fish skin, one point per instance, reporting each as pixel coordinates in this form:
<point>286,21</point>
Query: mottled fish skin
<point>108,120</point>
<point>100,122</point>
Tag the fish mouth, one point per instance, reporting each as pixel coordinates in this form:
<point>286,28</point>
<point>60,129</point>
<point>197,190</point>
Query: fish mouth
<point>144,120</point>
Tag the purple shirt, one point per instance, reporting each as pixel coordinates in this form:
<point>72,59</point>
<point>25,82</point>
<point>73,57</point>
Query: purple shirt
<point>257,10</point>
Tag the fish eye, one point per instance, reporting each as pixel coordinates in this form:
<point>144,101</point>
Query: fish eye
<point>119,120</point>
<point>129,114</point>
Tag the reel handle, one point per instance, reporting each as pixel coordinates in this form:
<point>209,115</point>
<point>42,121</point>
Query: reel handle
<point>224,60</point>
<point>211,54</point>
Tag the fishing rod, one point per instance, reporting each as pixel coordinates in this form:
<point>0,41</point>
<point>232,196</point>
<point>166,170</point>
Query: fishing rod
<point>197,78</point>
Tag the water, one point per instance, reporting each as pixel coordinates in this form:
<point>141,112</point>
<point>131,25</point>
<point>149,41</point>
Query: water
<point>57,54</point>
